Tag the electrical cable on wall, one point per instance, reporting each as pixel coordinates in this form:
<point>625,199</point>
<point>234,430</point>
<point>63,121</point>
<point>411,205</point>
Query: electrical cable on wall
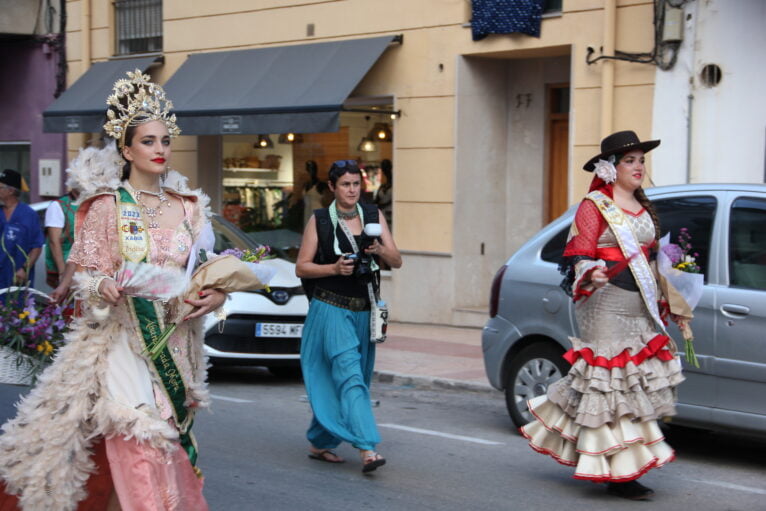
<point>664,53</point>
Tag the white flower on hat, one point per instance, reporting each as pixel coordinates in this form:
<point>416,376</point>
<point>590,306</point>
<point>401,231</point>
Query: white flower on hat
<point>606,170</point>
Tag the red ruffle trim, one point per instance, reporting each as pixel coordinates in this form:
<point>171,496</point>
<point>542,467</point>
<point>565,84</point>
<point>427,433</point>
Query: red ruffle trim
<point>624,479</point>
<point>542,450</point>
<point>549,428</point>
<point>654,348</point>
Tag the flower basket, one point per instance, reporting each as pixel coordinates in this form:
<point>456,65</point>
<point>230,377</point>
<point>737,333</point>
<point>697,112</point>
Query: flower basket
<point>31,330</point>
<point>15,368</point>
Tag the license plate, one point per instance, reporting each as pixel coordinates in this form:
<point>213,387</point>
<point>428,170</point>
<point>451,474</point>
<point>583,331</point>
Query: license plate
<point>278,330</point>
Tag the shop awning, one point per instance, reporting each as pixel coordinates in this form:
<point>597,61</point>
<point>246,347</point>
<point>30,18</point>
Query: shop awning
<point>285,89</point>
<point>82,107</point>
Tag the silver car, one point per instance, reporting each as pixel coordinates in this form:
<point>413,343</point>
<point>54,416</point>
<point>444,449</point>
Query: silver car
<point>531,318</point>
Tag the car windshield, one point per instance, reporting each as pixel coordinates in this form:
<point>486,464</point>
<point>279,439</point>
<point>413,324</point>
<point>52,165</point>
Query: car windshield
<point>228,235</point>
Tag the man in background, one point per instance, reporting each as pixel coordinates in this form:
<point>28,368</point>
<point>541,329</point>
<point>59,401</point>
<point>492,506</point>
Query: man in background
<point>59,229</point>
<point>21,238</point>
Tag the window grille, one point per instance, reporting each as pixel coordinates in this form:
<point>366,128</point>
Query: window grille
<point>552,6</point>
<point>138,26</point>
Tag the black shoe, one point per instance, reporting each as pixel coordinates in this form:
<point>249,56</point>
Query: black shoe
<point>632,490</point>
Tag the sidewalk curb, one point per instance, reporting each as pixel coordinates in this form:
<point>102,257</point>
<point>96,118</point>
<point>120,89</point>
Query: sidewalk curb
<point>431,382</point>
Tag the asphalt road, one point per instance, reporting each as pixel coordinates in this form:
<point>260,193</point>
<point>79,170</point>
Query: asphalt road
<point>446,450</point>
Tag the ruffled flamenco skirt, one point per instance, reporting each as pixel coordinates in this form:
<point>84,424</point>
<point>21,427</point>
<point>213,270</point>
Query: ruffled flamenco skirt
<point>602,417</point>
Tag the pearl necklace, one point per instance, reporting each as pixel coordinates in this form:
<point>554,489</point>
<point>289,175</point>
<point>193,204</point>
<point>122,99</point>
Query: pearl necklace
<point>152,212</point>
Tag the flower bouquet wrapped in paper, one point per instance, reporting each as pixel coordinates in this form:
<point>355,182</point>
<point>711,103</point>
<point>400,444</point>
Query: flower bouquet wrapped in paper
<point>682,284</point>
<point>226,273</point>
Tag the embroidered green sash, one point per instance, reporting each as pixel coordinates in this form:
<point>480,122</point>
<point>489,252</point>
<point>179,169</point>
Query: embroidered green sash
<point>149,316</point>
<point>630,246</point>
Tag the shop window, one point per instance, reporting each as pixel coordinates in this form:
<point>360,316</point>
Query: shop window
<point>747,243</point>
<point>138,26</point>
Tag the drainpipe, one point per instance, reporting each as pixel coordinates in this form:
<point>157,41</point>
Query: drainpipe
<point>690,98</point>
<point>85,49</point>
<point>607,69</point>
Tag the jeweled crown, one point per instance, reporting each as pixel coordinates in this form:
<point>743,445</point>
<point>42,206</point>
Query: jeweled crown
<point>135,100</point>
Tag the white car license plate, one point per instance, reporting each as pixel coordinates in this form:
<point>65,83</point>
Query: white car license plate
<point>278,330</point>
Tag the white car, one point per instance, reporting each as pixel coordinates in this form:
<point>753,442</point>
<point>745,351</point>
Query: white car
<point>262,328</point>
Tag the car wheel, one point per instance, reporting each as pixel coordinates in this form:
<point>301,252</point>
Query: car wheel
<point>287,372</point>
<point>532,370</point>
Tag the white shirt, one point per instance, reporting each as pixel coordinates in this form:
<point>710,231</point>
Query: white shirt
<point>54,215</point>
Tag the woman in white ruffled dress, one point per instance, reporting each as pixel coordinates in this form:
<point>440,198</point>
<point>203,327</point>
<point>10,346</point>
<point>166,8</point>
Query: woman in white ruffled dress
<point>601,418</point>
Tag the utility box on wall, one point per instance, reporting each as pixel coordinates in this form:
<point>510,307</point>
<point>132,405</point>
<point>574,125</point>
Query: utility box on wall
<point>49,178</point>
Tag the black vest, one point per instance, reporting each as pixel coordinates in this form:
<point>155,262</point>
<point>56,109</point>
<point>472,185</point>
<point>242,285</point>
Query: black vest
<point>325,250</point>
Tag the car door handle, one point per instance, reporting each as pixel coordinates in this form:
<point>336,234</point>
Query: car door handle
<point>734,311</point>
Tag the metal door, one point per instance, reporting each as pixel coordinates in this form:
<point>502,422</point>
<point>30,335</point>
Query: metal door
<point>696,395</point>
<point>741,311</point>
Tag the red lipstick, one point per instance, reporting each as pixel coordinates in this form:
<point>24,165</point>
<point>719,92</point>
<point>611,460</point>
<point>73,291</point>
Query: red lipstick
<point>159,160</point>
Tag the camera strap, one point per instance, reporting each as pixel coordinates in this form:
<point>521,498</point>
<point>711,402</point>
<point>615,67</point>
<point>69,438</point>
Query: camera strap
<point>370,289</point>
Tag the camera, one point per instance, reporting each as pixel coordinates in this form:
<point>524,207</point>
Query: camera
<point>363,260</point>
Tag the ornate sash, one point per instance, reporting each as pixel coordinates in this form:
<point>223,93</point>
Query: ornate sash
<point>149,318</point>
<point>629,244</point>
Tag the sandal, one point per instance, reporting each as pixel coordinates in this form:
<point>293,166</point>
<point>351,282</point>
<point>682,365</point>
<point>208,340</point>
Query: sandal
<point>326,455</point>
<point>371,460</point>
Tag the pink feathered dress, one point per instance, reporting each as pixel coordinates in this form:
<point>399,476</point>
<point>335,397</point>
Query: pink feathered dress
<point>115,405</point>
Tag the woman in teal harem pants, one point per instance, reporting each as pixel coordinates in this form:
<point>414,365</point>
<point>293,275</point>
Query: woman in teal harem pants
<point>337,356</point>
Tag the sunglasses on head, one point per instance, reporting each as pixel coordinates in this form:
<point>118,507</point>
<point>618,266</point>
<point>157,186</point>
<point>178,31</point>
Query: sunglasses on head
<point>344,163</point>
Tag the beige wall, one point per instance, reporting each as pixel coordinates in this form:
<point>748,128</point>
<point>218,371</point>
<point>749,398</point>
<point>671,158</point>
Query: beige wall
<point>25,17</point>
<point>421,74</point>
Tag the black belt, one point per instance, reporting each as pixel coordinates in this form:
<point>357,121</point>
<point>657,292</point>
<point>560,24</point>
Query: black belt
<point>345,302</point>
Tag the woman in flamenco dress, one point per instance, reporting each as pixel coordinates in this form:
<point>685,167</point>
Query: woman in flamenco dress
<point>602,417</point>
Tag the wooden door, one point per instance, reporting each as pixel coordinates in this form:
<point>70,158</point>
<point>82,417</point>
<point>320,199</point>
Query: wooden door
<point>558,182</point>
<point>557,192</point>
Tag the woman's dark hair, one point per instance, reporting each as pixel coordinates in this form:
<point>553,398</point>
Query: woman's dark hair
<point>342,167</point>
<point>385,167</point>
<point>129,133</point>
<point>311,169</point>
<point>647,204</point>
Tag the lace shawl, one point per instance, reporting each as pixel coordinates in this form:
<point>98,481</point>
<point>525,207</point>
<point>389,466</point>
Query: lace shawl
<point>96,245</point>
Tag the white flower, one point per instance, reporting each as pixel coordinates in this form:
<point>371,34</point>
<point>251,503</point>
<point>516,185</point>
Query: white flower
<point>606,171</point>
<point>688,259</point>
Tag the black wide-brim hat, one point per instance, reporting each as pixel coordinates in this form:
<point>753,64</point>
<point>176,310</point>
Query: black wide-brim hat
<point>620,142</point>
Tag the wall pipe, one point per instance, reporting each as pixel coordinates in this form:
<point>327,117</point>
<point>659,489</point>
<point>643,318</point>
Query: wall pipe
<point>607,70</point>
<point>85,49</point>
<point>690,105</point>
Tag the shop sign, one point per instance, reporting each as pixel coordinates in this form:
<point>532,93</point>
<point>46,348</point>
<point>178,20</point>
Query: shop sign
<point>231,124</point>
<point>73,124</point>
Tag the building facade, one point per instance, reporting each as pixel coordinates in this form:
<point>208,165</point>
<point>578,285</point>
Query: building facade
<point>32,63</point>
<point>487,138</point>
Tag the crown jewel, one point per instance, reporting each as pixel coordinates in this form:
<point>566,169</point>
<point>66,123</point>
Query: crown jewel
<point>135,100</point>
